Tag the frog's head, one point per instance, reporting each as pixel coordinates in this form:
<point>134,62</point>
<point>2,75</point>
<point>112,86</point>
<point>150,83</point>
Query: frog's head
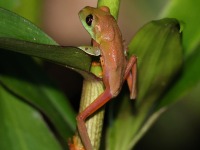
<point>95,21</point>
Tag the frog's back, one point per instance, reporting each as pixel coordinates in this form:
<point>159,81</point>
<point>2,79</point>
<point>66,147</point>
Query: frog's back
<point>114,63</point>
<point>108,36</point>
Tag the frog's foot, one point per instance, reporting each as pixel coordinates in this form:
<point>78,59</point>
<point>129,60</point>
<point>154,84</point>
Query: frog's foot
<point>74,144</point>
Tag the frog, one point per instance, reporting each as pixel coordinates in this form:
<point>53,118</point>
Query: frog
<point>108,45</point>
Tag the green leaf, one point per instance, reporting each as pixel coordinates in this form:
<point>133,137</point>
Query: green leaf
<point>112,4</point>
<point>21,76</point>
<point>159,62</point>
<point>21,127</point>
<point>189,78</point>
<point>32,10</point>
<point>121,127</point>
<point>187,12</point>
<point>19,35</point>
<point>16,27</point>
<point>157,46</point>
<point>29,9</point>
<point>8,4</point>
<point>27,80</point>
<point>159,59</point>
<point>71,57</point>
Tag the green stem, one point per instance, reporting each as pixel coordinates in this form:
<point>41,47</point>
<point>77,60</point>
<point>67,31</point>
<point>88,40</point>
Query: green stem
<point>145,127</point>
<point>92,88</point>
<point>112,4</point>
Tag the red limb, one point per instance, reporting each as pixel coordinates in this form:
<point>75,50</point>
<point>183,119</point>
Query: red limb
<point>131,76</point>
<point>103,99</point>
<point>98,102</point>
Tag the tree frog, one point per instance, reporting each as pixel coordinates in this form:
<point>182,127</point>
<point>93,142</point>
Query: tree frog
<point>108,44</point>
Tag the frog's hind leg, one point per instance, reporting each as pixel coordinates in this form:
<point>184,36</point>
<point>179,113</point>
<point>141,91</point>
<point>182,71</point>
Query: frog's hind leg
<point>98,103</point>
<point>131,76</point>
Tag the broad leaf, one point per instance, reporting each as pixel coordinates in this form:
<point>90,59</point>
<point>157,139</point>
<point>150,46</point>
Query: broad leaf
<point>21,127</point>
<point>71,57</point>
<point>29,9</point>
<point>187,12</point>
<point>32,85</point>
<point>189,79</point>
<point>19,35</point>
<point>16,27</point>
<point>158,48</point>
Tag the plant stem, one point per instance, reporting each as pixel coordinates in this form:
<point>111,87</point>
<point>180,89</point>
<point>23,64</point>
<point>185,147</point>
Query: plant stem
<point>145,127</point>
<point>92,88</point>
<point>112,4</point>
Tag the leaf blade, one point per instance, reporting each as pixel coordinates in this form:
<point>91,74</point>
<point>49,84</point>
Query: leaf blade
<point>17,27</point>
<point>159,59</point>
<point>177,9</point>
<point>31,84</point>
<point>189,79</point>
<point>71,57</point>
<point>22,127</point>
<point>158,49</point>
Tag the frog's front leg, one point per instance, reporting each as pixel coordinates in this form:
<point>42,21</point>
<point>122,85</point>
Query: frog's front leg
<point>98,103</point>
<point>91,50</point>
<point>131,76</point>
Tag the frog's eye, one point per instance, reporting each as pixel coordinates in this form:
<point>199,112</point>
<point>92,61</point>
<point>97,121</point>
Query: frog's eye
<point>89,20</point>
